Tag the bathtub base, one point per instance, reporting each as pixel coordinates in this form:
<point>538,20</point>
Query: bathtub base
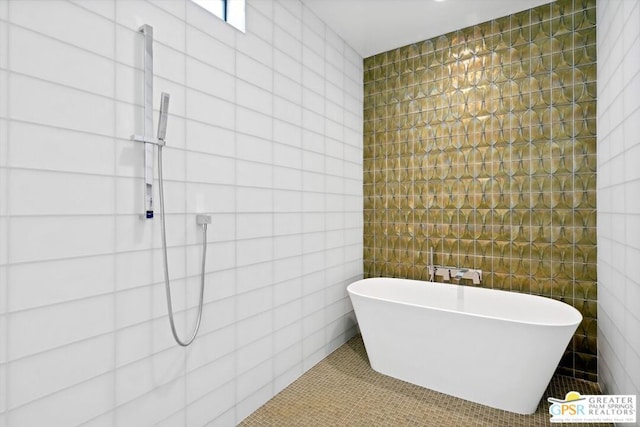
<point>471,367</point>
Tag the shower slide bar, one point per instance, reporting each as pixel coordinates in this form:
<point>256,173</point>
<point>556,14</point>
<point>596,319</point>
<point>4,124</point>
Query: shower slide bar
<point>147,133</point>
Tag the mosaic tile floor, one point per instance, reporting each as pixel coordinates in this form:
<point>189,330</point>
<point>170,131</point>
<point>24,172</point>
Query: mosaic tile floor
<point>343,390</point>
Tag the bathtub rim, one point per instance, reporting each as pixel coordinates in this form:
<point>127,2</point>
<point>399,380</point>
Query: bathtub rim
<point>573,310</point>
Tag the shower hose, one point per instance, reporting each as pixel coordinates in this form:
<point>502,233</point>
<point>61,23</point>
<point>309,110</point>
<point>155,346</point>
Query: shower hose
<point>167,283</point>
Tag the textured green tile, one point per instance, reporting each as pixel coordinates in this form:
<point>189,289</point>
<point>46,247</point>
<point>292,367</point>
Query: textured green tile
<point>481,144</point>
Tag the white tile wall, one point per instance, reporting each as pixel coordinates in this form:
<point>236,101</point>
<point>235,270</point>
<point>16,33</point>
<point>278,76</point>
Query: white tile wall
<point>265,134</point>
<point>618,189</point>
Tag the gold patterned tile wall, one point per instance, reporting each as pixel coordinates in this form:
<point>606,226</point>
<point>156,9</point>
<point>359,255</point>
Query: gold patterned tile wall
<point>481,144</point>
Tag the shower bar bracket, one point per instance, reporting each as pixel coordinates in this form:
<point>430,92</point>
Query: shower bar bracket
<point>148,140</point>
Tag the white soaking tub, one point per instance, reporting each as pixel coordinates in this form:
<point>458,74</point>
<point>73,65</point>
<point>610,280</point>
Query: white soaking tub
<point>492,347</point>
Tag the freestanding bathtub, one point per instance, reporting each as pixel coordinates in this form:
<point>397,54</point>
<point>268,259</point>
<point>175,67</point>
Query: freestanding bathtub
<point>492,347</point>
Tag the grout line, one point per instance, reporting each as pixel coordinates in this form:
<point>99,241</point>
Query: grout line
<point>234,324</point>
<point>185,408</point>
<point>303,149</point>
<point>186,151</point>
<point>153,320</point>
<point>573,214</point>
<point>549,144</point>
<point>183,84</point>
<point>126,139</point>
<point>273,203</point>
<point>130,251</point>
<point>114,396</point>
<point>5,325</point>
<point>158,284</point>
<point>185,163</point>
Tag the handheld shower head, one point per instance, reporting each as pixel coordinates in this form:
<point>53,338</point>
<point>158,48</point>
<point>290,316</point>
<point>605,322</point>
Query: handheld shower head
<point>162,120</point>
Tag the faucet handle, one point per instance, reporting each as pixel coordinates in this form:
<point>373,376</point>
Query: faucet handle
<point>475,278</point>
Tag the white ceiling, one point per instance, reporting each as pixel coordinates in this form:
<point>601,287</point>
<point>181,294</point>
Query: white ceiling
<point>374,26</point>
